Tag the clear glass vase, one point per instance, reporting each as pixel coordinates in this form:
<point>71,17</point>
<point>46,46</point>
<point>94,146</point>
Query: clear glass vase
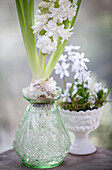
<point>41,140</point>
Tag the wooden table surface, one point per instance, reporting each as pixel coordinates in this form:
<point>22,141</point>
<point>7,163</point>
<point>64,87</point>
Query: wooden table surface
<point>101,160</point>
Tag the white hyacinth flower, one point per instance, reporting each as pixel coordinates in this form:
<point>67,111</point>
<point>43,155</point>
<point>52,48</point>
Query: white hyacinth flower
<point>52,0</point>
<point>70,13</point>
<point>62,69</point>
<point>51,29</point>
<point>65,4</point>
<point>45,44</point>
<point>40,21</point>
<point>74,2</point>
<point>48,22</point>
<point>57,14</point>
<point>44,4</point>
<point>64,33</point>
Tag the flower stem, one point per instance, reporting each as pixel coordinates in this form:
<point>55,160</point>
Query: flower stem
<point>25,11</point>
<point>74,18</point>
<point>54,59</point>
<point>64,83</point>
<point>42,62</point>
<point>83,89</point>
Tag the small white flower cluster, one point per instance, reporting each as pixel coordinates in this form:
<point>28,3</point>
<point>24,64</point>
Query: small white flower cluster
<point>76,63</point>
<point>62,69</point>
<point>50,23</point>
<point>66,95</point>
<point>98,87</point>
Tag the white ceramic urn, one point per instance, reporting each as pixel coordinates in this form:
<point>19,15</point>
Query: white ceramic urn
<point>81,123</point>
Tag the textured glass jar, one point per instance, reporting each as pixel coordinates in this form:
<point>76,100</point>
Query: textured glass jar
<point>41,140</point>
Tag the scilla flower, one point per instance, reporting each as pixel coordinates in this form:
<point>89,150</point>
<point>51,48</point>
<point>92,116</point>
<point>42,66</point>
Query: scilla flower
<point>63,58</point>
<point>62,69</point>
<point>66,94</point>
<point>98,87</point>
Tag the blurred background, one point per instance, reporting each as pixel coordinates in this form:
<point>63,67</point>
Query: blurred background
<point>92,31</point>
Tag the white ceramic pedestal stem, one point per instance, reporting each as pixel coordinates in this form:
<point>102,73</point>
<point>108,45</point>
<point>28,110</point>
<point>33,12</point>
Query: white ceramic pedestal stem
<point>81,145</point>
